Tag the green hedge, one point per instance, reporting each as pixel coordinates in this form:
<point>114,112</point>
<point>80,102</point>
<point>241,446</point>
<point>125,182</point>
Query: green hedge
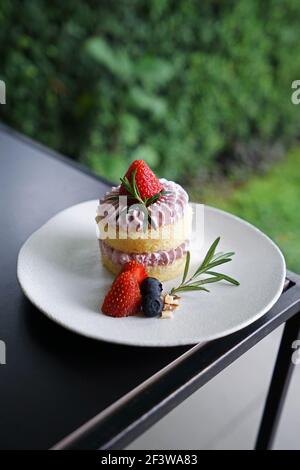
<point>183,84</point>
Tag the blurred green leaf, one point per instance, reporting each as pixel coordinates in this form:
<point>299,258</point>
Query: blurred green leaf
<point>154,72</point>
<point>116,60</point>
<point>148,102</point>
<point>130,129</point>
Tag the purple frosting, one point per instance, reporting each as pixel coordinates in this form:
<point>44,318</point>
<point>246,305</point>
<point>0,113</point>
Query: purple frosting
<point>166,210</point>
<point>158,258</point>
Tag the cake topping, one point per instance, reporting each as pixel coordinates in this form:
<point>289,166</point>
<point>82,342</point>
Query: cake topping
<point>147,184</point>
<point>140,188</point>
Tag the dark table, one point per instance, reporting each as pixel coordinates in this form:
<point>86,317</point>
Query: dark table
<point>61,390</point>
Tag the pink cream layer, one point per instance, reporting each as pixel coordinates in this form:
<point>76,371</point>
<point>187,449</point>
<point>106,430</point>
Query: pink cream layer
<point>158,258</point>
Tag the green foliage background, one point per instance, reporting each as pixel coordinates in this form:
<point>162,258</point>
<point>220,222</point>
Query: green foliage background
<point>186,85</point>
<point>270,201</point>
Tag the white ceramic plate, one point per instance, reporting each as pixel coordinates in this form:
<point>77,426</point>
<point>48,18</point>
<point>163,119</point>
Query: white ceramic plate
<point>60,272</point>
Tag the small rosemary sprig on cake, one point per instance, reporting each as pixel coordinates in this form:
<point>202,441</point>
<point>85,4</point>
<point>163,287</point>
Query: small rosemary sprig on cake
<point>207,266</point>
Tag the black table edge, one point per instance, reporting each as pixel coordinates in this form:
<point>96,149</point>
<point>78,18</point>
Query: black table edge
<point>127,418</point>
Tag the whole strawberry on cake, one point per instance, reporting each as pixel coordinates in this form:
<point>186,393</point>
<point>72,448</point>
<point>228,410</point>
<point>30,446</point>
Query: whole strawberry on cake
<point>147,220</point>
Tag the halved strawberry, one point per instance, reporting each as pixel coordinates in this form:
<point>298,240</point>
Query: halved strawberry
<point>137,270</point>
<point>124,297</point>
<point>146,181</point>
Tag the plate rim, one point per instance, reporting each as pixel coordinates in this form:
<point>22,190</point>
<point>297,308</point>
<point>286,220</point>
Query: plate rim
<point>182,342</point>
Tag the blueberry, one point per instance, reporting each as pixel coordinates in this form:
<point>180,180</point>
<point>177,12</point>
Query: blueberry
<point>152,305</point>
<point>150,285</point>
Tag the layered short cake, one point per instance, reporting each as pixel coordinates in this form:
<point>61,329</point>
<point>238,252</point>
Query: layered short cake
<point>147,220</point>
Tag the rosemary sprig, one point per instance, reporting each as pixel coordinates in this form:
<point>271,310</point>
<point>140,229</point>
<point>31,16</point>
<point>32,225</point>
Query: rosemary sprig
<point>134,194</point>
<point>210,261</point>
